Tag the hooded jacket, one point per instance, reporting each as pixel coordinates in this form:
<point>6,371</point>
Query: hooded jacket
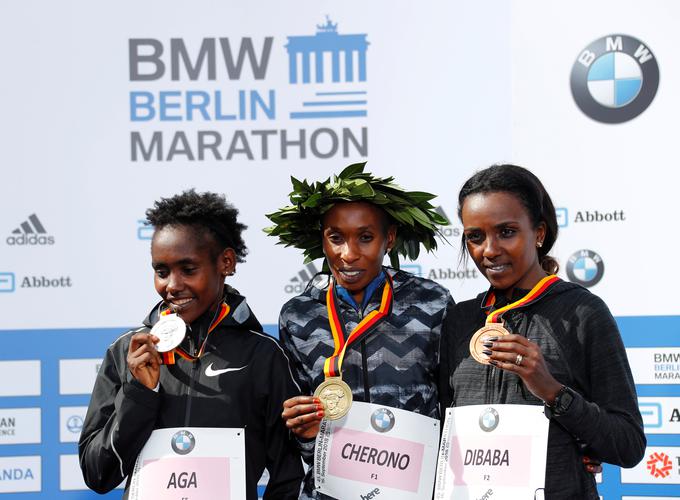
<point>394,365</point>
<point>123,412</point>
<point>582,348</point>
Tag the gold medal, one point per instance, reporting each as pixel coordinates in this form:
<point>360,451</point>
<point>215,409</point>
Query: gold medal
<point>482,335</point>
<point>335,396</point>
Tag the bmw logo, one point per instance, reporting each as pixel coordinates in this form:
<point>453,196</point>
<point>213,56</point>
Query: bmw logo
<point>614,79</point>
<point>585,267</point>
<point>488,420</point>
<point>75,423</point>
<point>382,420</point>
<point>183,442</point>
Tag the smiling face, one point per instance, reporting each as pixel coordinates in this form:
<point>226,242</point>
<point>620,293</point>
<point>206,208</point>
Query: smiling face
<point>355,240</point>
<point>501,240</point>
<point>187,275</point>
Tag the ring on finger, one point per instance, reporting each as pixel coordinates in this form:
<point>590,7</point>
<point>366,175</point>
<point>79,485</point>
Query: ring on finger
<point>518,360</point>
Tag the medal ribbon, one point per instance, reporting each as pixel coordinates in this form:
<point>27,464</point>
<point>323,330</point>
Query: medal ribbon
<point>536,292</point>
<point>333,366</point>
<point>169,357</point>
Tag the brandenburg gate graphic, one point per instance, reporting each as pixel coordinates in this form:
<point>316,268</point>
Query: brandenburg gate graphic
<point>326,40</point>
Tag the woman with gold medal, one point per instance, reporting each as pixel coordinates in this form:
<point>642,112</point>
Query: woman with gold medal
<point>533,339</point>
<point>360,333</point>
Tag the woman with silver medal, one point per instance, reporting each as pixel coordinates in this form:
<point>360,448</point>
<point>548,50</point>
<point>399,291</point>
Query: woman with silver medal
<point>536,341</point>
<point>360,334</point>
<point>200,370</point>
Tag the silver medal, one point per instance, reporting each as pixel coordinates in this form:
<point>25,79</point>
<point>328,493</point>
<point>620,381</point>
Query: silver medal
<point>170,329</point>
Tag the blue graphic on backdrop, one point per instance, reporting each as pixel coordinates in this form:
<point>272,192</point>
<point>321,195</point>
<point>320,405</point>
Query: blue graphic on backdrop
<point>614,79</point>
<point>651,415</point>
<point>6,282</point>
<point>346,101</point>
<point>585,267</point>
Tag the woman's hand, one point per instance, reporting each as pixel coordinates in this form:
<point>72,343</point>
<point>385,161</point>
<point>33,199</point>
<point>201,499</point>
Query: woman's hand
<point>517,354</point>
<point>302,415</point>
<point>143,359</point>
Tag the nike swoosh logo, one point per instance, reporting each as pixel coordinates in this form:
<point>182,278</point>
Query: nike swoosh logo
<point>209,372</point>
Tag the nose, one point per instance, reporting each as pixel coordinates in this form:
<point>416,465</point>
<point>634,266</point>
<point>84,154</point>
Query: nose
<point>491,247</point>
<point>174,284</point>
<point>349,252</point>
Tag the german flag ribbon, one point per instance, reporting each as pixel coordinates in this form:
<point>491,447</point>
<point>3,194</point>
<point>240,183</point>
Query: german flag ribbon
<point>169,357</point>
<point>333,366</point>
<point>536,293</point>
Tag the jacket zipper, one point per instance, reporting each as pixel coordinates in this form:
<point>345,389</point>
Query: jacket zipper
<point>190,387</point>
<point>364,364</point>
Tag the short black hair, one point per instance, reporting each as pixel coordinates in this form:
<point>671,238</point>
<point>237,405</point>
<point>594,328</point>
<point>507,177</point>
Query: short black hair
<point>529,190</point>
<point>205,213</point>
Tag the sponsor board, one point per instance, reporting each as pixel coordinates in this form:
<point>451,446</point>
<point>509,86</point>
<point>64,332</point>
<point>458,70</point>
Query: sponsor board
<point>648,498</point>
<point>20,474</point>
<point>660,415</point>
<point>654,365</point>
<point>196,117</point>
<point>588,216</point>
<point>7,282</point>
<point>20,378</point>
<point>71,476</point>
<point>614,79</point>
<point>585,267</point>
<point>71,420</point>
<point>660,465</point>
<point>77,376</point>
<point>30,232</point>
<point>19,425</point>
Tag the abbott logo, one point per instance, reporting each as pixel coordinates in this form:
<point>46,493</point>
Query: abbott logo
<point>144,230</point>
<point>7,282</point>
<point>30,232</point>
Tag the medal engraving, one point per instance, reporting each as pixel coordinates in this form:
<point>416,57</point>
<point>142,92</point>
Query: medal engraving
<point>481,336</point>
<point>335,396</point>
<point>170,330</point>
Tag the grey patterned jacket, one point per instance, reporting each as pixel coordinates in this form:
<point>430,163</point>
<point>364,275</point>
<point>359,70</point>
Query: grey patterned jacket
<point>394,365</point>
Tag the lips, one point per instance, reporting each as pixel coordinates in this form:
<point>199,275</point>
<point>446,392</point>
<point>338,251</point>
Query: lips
<point>179,304</point>
<point>497,268</point>
<point>351,275</point>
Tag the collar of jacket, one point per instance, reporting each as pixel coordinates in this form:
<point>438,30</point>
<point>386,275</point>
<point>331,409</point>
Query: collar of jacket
<point>318,285</point>
<point>558,288</point>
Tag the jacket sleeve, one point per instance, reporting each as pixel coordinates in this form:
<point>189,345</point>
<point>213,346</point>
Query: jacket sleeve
<point>119,420</point>
<point>283,459</point>
<point>607,420</point>
<point>302,377</point>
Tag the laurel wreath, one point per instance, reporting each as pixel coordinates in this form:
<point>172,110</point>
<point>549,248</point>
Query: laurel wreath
<point>299,225</point>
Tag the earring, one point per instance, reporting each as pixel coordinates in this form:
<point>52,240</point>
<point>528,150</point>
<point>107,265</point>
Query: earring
<point>539,244</point>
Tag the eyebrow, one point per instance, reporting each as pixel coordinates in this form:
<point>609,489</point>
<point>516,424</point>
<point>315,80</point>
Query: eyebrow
<point>500,224</point>
<point>181,262</point>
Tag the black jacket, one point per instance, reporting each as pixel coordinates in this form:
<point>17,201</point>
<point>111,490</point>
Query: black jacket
<point>583,350</point>
<point>123,413</point>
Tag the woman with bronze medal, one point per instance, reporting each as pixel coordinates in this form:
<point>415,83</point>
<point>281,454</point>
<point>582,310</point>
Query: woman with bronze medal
<point>191,399</point>
<point>533,339</point>
<point>363,339</point>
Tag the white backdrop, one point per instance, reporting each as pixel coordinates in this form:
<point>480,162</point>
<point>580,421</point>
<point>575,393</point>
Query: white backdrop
<point>450,87</point>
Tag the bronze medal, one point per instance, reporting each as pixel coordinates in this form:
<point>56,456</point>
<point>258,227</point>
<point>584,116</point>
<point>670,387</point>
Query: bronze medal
<point>482,335</point>
<point>335,396</point>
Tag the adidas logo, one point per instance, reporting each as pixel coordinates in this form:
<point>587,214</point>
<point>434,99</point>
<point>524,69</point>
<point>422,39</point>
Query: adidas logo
<point>298,283</point>
<point>448,231</point>
<point>30,232</point>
